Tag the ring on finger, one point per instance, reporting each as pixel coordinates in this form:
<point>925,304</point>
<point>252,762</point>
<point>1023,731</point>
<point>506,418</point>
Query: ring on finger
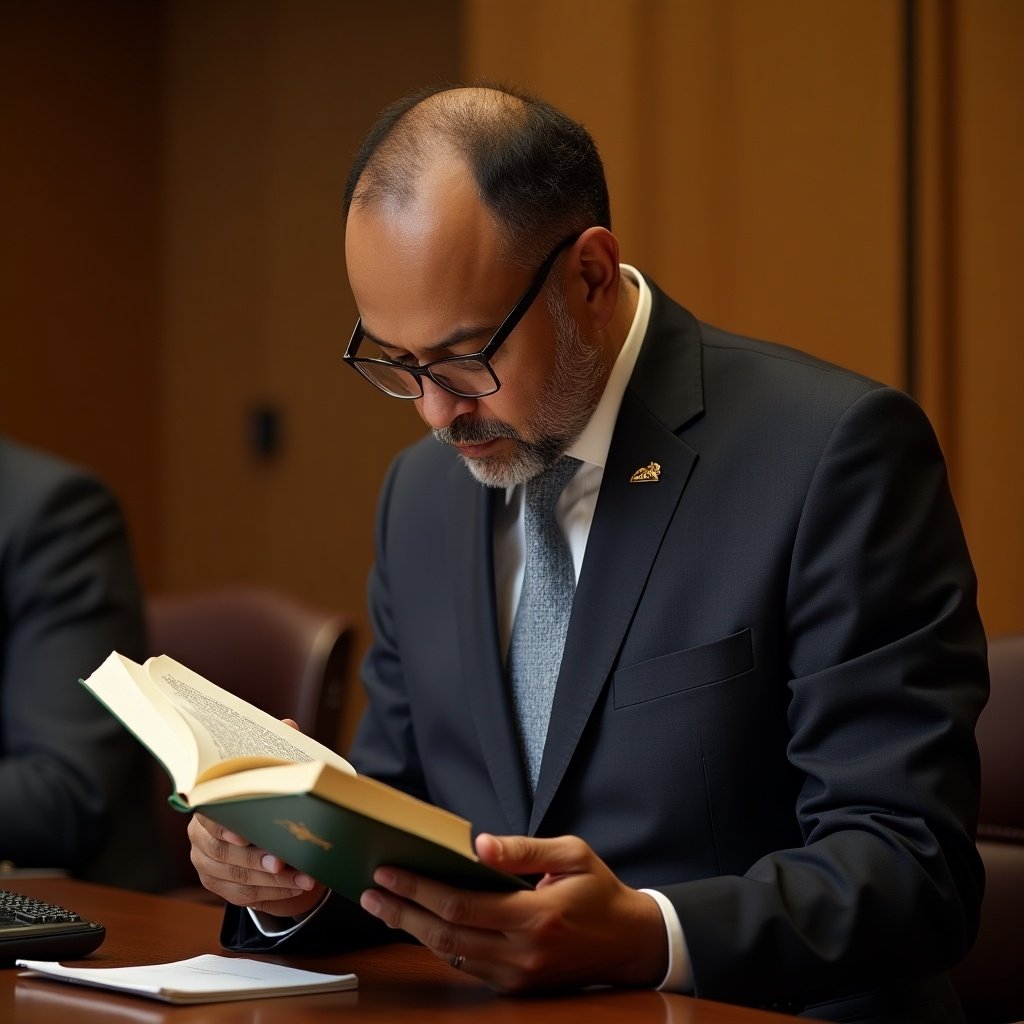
<point>457,962</point>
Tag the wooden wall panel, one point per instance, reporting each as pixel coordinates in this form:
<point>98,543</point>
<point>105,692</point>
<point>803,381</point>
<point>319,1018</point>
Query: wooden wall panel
<point>988,314</point>
<point>752,149</point>
<point>971,263</point>
<point>264,105</point>
<point>78,242</point>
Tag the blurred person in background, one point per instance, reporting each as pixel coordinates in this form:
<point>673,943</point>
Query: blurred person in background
<point>75,786</point>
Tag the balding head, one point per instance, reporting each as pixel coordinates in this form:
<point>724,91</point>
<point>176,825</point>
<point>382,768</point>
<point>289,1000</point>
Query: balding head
<point>536,171</point>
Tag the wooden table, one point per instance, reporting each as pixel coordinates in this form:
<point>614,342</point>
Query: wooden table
<point>398,984</point>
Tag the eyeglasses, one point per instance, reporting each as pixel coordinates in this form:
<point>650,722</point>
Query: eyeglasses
<point>468,376</point>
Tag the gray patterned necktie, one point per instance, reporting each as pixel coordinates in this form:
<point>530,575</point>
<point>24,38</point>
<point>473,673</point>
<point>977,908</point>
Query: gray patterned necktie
<point>538,634</point>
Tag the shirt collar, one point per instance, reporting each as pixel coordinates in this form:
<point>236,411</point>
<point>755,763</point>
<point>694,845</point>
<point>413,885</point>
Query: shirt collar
<point>596,438</point>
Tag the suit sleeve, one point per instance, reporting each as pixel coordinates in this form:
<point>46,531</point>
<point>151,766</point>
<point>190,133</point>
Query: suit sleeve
<point>338,926</point>
<point>70,596</point>
<point>887,678</point>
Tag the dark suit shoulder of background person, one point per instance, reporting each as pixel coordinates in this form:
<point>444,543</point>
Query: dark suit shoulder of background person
<point>73,783</point>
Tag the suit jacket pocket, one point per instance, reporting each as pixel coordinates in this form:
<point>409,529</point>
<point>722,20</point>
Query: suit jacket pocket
<point>684,670</point>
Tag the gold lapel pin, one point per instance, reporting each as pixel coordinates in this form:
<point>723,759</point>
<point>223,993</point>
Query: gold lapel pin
<point>649,474</point>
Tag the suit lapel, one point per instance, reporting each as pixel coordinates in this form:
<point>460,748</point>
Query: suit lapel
<point>471,556</point>
<point>630,520</point>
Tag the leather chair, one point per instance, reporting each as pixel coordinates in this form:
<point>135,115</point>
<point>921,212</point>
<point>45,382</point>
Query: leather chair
<point>286,657</point>
<point>990,981</point>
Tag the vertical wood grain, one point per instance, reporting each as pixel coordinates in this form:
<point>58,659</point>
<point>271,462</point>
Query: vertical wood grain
<point>79,330</point>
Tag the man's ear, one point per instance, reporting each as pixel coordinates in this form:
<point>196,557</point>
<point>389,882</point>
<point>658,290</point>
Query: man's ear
<point>597,250</point>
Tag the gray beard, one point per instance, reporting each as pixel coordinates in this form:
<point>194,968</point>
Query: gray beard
<point>567,401</point>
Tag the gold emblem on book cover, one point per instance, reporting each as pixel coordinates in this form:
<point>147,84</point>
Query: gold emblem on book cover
<point>303,832</point>
<point>649,474</point>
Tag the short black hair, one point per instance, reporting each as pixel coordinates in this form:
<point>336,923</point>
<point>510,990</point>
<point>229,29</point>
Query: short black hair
<point>537,170</point>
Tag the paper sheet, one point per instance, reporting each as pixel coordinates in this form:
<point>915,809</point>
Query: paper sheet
<point>202,979</point>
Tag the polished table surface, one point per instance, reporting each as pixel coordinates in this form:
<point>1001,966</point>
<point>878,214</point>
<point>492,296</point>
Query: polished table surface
<point>397,983</point>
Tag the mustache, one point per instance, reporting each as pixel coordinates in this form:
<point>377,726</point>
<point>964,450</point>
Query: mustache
<point>467,431</point>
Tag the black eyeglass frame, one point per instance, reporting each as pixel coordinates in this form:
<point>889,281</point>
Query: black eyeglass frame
<point>483,357</point>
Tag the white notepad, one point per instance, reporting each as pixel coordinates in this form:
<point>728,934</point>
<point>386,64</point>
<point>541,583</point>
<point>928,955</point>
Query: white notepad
<point>203,979</point>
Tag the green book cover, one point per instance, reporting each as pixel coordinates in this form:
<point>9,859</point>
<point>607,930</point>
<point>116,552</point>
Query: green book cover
<point>342,848</point>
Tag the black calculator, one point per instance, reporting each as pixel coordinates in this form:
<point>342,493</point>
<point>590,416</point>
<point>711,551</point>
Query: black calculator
<point>33,930</point>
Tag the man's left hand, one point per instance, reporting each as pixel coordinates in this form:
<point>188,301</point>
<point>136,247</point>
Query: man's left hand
<point>579,926</point>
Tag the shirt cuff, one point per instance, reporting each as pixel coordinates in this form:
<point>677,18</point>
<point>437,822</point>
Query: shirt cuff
<point>274,927</point>
<point>679,977</point>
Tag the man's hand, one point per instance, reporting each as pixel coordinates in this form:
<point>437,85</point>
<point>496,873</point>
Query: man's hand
<point>580,926</point>
<point>246,876</point>
<point>234,869</point>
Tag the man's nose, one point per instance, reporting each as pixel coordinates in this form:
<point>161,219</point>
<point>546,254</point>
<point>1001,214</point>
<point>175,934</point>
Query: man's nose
<point>438,408</point>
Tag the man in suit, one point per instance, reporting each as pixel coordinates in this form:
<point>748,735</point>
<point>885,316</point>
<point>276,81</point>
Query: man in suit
<point>74,787</point>
<point>756,778</point>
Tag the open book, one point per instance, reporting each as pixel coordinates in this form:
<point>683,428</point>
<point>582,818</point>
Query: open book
<point>283,791</point>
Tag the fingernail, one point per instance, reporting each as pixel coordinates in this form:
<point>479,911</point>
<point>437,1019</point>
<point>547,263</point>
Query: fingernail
<point>304,882</point>
<point>384,877</point>
<point>370,902</point>
<point>270,862</point>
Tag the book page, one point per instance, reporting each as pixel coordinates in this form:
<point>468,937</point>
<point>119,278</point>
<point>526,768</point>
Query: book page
<point>194,728</point>
<point>202,979</point>
<point>230,733</point>
<point>125,689</point>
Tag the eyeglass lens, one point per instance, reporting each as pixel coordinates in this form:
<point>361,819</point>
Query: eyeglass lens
<point>467,377</point>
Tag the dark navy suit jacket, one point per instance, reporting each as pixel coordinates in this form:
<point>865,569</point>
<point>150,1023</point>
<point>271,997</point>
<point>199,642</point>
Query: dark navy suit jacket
<point>770,681</point>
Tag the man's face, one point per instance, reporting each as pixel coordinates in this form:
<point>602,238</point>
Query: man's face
<point>429,282</point>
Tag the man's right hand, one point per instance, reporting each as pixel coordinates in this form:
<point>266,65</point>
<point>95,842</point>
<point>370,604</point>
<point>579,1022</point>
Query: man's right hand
<point>234,869</point>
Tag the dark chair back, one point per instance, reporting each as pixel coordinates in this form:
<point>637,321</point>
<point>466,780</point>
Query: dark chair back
<point>990,980</point>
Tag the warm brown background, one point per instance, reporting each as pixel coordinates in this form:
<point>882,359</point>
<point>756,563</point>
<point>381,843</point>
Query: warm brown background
<point>171,249</point>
